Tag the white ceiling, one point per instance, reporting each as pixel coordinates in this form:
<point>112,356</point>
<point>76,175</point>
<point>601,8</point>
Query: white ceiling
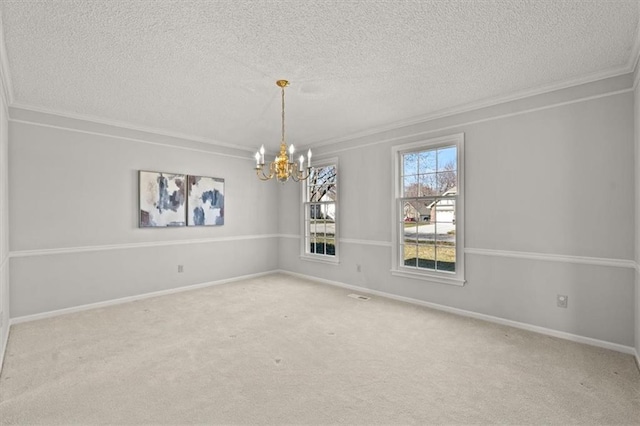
<point>207,69</point>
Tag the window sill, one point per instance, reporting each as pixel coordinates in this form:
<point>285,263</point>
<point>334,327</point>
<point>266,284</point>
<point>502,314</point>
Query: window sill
<point>428,277</point>
<point>324,259</point>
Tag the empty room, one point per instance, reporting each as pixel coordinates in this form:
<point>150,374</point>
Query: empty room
<point>319,212</point>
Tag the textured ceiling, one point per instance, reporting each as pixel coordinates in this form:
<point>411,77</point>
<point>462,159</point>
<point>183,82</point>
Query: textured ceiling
<point>208,68</point>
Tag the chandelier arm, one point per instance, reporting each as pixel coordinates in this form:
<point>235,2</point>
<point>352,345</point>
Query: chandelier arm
<point>305,175</point>
<point>300,175</point>
<point>261,175</point>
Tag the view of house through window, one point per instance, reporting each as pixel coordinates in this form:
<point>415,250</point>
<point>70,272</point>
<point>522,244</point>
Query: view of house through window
<point>320,211</point>
<point>427,208</point>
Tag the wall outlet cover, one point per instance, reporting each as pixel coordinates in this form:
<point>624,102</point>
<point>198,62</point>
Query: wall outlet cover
<point>563,301</point>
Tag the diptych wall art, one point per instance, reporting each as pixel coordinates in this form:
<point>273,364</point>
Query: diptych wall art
<point>170,199</point>
<point>205,201</point>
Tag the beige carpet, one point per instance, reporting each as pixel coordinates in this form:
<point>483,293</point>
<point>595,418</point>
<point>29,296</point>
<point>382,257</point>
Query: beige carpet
<point>280,350</point>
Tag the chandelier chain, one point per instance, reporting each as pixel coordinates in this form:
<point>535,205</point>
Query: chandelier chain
<point>282,113</point>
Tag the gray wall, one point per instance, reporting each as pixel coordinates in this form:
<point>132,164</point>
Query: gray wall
<point>4,227</point>
<point>553,181</point>
<point>74,215</point>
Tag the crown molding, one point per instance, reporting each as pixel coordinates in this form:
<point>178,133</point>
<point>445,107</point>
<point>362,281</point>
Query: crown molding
<point>125,125</point>
<point>127,138</point>
<point>477,105</point>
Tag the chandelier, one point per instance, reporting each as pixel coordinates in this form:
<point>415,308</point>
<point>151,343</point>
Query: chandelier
<point>283,168</point>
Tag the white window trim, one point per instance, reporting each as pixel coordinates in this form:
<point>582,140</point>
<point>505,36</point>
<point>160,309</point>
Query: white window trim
<point>313,257</point>
<point>397,268</point>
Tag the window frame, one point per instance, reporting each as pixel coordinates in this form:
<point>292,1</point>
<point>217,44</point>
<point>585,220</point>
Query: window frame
<point>397,266</point>
<point>305,254</point>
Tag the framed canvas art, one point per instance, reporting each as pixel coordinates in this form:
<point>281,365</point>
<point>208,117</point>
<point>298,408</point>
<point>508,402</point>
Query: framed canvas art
<point>162,199</point>
<point>205,205</point>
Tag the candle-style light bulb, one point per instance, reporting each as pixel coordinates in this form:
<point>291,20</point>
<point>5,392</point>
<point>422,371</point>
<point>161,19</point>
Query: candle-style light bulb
<point>262,154</point>
<point>291,149</point>
<point>309,158</point>
<point>301,161</point>
<point>257,159</point>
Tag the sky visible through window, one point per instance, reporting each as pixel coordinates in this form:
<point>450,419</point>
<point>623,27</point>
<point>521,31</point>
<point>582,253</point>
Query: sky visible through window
<point>429,161</point>
<point>429,172</point>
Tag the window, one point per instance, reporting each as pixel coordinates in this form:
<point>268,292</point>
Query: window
<point>428,209</point>
<point>320,199</point>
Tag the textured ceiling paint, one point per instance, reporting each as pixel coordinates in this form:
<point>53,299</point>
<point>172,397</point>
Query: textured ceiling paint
<point>208,68</point>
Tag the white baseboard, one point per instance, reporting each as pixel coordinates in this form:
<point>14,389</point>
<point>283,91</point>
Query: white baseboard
<point>127,299</point>
<point>524,326</point>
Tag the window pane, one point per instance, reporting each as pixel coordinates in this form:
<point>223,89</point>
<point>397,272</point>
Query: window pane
<point>410,186</point>
<point>446,257</point>
<point>315,194</point>
<point>324,193</point>
<point>327,175</point>
<point>330,228</point>
<point>447,159</point>
<point>330,247</point>
<point>321,185</point>
<point>427,162</point>
<point>445,232</point>
<point>311,209</point>
<point>312,244</point>
<point>328,211</point>
<point>410,232</point>
<point>443,211</point>
<point>410,211</point>
<point>410,255</point>
<point>426,254</point>
<point>410,164</point>
<point>428,185</point>
<point>322,176</point>
<point>447,181</point>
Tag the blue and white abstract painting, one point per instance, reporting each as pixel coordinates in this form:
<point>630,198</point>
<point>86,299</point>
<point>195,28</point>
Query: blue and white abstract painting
<point>206,201</point>
<point>162,199</point>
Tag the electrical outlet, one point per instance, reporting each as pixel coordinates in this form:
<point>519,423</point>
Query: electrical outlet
<point>358,268</point>
<point>180,268</point>
<point>563,301</point>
